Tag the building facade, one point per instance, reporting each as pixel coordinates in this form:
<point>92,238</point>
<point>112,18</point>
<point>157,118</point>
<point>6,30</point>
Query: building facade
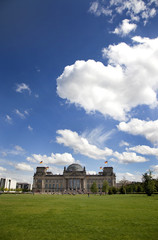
<point>74,179</point>
<point>7,183</point>
<point>24,186</point>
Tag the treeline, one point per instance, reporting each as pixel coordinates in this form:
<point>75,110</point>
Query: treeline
<point>14,190</point>
<point>149,185</point>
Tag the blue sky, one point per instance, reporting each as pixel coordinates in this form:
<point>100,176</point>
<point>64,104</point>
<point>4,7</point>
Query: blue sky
<point>79,82</point>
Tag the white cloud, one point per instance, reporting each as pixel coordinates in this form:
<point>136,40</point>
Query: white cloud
<point>8,119</point>
<point>144,150</point>
<point>148,129</point>
<point>123,143</point>
<point>129,157</point>
<point>135,9</point>
<point>55,170</point>
<point>81,145</point>
<point>58,159</point>
<point>19,148</point>
<point>131,6</point>
<point>23,167</point>
<point>91,172</point>
<point>125,28</point>
<point>2,169</point>
<point>111,89</point>
<point>129,176</point>
<point>97,9</point>
<point>23,87</point>
<point>30,128</point>
<point>155,168</point>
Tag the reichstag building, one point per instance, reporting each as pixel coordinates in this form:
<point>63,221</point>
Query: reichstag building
<point>73,179</point>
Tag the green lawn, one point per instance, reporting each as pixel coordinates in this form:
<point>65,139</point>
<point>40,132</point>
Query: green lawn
<point>65,217</point>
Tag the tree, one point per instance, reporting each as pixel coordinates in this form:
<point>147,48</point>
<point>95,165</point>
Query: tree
<point>110,192</point>
<point>114,190</point>
<point>105,186</point>
<point>149,184</point>
<point>139,189</point>
<point>122,190</point>
<point>156,184</point>
<point>94,188</point>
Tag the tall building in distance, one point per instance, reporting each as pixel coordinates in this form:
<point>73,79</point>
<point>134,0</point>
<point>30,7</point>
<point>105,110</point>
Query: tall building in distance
<point>7,183</point>
<point>73,179</point>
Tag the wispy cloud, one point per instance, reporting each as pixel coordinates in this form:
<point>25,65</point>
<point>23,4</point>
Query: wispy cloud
<point>8,119</point>
<point>136,10</point>
<point>17,150</point>
<point>123,143</point>
<point>30,128</point>
<point>22,87</point>
<point>20,114</point>
<point>2,169</point>
<point>98,136</point>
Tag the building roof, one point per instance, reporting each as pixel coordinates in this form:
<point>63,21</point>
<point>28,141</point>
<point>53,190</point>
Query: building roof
<point>75,167</point>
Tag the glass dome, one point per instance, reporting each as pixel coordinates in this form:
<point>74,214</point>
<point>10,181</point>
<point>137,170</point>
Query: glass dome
<point>74,167</point>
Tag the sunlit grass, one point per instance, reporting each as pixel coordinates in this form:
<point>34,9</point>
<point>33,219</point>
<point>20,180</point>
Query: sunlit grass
<point>48,217</point>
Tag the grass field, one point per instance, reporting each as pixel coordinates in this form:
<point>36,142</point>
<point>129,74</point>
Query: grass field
<point>49,217</point>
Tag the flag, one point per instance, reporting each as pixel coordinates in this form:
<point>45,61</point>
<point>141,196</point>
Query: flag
<point>47,167</point>
<point>41,162</point>
<point>106,162</point>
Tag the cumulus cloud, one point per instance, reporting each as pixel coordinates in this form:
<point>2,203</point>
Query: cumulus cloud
<point>24,167</point>
<point>128,157</point>
<point>134,9</point>
<point>125,28</point>
<point>81,145</point>
<point>129,176</point>
<point>144,150</point>
<point>111,89</point>
<point>147,129</point>
<point>23,87</point>
<point>58,159</point>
